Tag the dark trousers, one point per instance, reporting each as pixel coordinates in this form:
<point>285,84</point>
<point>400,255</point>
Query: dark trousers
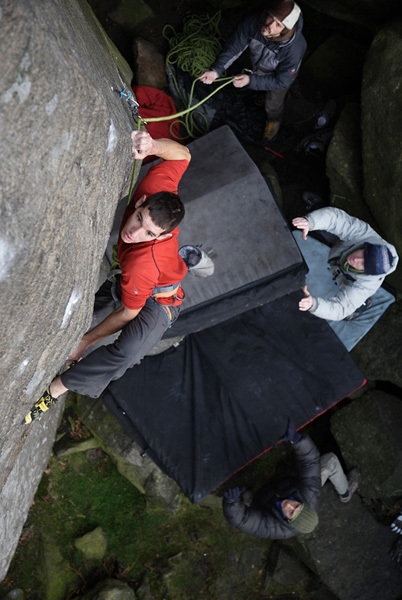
<point>274,104</point>
<point>111,357</point>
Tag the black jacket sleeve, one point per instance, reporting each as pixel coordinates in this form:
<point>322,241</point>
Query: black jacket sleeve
<point>257,521</point>
<point>308,466</point>
<point>265,520</point>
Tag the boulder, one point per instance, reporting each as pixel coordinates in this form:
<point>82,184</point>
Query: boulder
<point>110,589</point>
<point>343,164</point>
<point>65,157</point>
<point>381,101</point>
<point>129,13</point>
<point>343,555</point>
<point>56,575</point>
<point>366,14</point>
<point>144,591</point>
<point>334,67</point>
<point>93,544</point>
<point>15,594</point>
<point>67,447</point>
<point>23,459</point>
<point>150,65</point>
<point>288,570</point>
<point>379,353</point>
<point>128,456</point>
<point>368,431</point>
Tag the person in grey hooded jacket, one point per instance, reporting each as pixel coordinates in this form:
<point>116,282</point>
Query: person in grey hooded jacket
<point>276,47</point>
<point>359,262</point>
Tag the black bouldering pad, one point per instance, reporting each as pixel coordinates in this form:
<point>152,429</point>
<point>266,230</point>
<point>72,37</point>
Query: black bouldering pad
<point>206,408</point>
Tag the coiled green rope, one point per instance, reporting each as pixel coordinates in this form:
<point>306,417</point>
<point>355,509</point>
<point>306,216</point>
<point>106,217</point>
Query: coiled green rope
<point>196,47</point>
<point>193,51</point>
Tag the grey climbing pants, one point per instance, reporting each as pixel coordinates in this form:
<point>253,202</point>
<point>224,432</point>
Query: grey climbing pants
<point>331,469</point>
<point>110,358</point>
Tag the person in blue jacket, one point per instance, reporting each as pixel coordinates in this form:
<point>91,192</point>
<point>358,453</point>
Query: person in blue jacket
<point>276,47</point>
<point>285,507</point>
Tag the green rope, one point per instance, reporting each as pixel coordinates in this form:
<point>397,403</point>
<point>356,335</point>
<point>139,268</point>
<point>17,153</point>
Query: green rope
<point>227,80</point>
<point>195,49</point>
<point>115,264</point>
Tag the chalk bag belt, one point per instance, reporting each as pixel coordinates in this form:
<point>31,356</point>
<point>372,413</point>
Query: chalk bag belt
<point>165,291</point>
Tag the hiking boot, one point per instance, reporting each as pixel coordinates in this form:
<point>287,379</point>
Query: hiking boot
<point>368,304</point>
<point>316,142</point>
<point>324,116</point>
<point>312,200</point>
<point>271,130</point>
<point>41,406</point>
<point>354,479</point>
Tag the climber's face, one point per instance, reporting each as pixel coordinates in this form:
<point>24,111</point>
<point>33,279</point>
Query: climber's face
<point>139,227</point>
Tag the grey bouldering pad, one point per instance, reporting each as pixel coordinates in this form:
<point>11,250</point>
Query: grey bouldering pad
<point>232,215</point>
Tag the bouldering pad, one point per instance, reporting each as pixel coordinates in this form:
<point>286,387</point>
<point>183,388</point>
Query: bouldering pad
<point>232,215</point>
<point>206,408</point>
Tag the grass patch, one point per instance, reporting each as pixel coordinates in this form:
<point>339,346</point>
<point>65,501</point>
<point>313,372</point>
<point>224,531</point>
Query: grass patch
<point>192,554</point>
<point>75,496</point>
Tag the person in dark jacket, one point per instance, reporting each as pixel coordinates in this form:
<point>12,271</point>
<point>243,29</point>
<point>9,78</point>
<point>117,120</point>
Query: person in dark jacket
<point>287,507</point>
<point>276,47</point>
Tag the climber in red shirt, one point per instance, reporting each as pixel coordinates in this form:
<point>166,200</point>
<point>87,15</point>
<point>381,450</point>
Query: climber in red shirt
<point>145,300</point>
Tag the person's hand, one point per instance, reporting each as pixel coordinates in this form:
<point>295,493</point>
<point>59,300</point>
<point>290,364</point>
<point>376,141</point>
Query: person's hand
<point>208,77</point>
<point>396,526</point>
<point>307,302</point>
<point>241,81</point>
<point>291,434</point>
<point>141,144</point>
<point>303,224</point>
<point>233,494</point>
<point>79,350</point>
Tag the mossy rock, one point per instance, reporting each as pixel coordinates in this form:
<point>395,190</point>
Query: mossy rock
<point>343,164</point>
<point>56,575</point>
<point>110,589</point>
<point>93,544</point>
<point>368,434</point>
<point>130,12</point>
<point>382,150</point>
<point>335,67</point>
<point>379,353</point>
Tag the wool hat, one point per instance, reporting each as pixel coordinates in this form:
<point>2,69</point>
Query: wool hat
<point>285,11</point>
<point>306,520</point>
<point>377,259</point>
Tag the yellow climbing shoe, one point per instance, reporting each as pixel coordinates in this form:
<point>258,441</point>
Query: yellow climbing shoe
<point>271,130</point>
<point>41,406</point>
